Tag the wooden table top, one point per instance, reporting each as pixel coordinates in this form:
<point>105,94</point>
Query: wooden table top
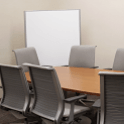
<point>82,80</point>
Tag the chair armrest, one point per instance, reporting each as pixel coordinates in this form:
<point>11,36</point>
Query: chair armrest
<point>74,99</point>
<point>62,66</point>
<point>108,68</point>
<point>65,65</point>
<point>97,103</point>
<point>47,66</point>
<point>95,67</point>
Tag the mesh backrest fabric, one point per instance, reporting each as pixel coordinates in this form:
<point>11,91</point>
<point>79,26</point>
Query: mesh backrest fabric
<point>14,95</point>
<point>47,101</point>
<point>119,60</point>
<point>26,55</point>
<point>114,99</point>
<point>82,56</point>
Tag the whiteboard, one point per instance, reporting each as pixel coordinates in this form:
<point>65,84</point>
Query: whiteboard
<point>52,34</point>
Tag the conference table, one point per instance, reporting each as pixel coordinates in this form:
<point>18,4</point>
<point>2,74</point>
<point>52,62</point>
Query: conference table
<point>82,80</point>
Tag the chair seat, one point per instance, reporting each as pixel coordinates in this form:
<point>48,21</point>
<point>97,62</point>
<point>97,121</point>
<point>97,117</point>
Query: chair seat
<point>77,109</point>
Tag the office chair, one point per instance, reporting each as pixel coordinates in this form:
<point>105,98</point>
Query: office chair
<point>118,64</point>
<point>49,102</point>
<point>112,98</point>
<point>16,93</point>
<point>26,55</point>
<point>119,60</point>
<point>82,56</point>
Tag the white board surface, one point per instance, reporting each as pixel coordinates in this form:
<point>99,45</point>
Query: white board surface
<point>52,34</point>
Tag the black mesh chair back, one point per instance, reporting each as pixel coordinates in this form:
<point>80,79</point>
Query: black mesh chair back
<point>48,102</point>
<point>15,88</point>
<point>112,97</point>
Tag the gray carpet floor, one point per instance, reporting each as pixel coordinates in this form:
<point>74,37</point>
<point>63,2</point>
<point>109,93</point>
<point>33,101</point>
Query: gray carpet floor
<point>6,117</point>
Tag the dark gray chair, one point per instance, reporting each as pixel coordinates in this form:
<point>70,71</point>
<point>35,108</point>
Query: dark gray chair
<point>26,55</point>
<point>49,102</point>
<point>16,93</point>
<point>117,65</point>
<point>112,98</point>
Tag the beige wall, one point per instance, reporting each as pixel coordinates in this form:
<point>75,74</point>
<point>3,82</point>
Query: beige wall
<point>12,24</point>
<point>102,24</point>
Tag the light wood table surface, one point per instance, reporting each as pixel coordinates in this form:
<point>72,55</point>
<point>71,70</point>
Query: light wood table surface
<point>82,80</point>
